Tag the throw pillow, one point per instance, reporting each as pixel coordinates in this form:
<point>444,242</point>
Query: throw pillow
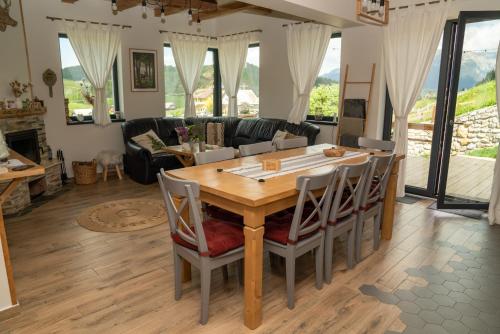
<point>215,134</point>
<point>150,141</point>
<point>279,135</point>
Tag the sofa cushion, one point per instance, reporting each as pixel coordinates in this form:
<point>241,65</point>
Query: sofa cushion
<point>265,129</point>
<point>221,237</point>
<point>137,127</point>
<point>246,128</point>
<point>166,129</point>
<point>150,141</point>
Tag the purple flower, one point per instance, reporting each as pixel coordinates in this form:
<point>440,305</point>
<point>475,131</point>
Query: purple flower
<point>182,132</point>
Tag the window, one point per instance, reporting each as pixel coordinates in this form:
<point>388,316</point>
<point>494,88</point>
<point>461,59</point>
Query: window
<point>75,81</point>
<point>206,94</point>
<point>324,103</point>
<point>248,94</point>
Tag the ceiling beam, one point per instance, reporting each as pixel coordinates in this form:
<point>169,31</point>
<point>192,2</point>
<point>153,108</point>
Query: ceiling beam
<point>228,9</point>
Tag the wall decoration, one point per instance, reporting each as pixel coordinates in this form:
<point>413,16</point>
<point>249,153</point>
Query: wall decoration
<point>143,73</point>
<point>374,12</point>
<point>49,78</point>
<point>5,18</point>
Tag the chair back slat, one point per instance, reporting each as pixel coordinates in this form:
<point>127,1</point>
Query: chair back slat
<point>187,192</point>
<point>226,153</point>
<point>375,144</point>
<point>348,193</point>
<point>257,148</point>
<point>307,185</point>
<point>286,144</point>
<point>378,178</point>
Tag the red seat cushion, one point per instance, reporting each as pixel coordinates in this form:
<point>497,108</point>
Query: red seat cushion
<point>221,214</point>
<point>278,229</point>
<point>221,237</point>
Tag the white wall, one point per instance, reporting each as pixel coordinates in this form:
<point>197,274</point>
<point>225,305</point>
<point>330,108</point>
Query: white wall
<point>83,142</point>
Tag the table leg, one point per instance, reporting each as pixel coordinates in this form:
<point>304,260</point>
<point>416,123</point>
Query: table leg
<point>186,266</point>
<point>254,249</point>
<point>3,241</point>
<point>390,203</point>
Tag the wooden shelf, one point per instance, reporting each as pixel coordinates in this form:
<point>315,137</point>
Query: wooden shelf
<point>18,113</point>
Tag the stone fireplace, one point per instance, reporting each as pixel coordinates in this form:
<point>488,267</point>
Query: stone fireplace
<point>25,143</point>
<point>26,135</point>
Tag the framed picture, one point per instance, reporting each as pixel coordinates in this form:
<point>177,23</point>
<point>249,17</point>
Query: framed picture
<point>143,73</point>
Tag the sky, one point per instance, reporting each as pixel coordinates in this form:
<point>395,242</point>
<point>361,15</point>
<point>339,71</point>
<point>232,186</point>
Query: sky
<point>332,57</point>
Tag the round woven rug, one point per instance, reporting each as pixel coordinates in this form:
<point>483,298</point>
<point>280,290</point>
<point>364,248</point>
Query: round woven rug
<point>123,215</point>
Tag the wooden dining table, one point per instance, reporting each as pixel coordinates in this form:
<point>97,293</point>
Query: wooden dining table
<point>254,200</point>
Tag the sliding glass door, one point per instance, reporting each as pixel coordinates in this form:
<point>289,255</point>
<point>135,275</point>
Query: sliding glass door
<point>471,131</point>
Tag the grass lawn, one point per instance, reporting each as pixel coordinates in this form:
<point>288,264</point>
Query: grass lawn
<point>478,97</point>
<point>487,152</point>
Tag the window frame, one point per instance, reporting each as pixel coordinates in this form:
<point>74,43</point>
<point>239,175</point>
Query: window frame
<point>329,120</point>
<point>116,91</point>
<point>217,97</point>
<point>217,103</point>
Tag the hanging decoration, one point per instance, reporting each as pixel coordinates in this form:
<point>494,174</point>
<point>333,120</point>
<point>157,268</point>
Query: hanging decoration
<point>162,8</point>
<point>373,11</point>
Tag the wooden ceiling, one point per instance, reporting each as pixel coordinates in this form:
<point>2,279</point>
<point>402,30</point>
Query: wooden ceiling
<point>207,9</point>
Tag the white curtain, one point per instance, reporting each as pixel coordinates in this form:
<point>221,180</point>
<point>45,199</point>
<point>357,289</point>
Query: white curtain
<point>189,55</point>
<point>95,47</point>
<point>306,45</point>
<point>232,56</point>
<point>410,43</point>
<point>494,211</point>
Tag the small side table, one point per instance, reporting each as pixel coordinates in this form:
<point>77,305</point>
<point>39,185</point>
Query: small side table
<point>110,159</point>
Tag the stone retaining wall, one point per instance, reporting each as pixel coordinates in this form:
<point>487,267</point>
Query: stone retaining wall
<point>475,130</point>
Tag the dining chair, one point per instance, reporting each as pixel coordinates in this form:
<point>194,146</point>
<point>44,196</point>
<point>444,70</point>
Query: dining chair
<point>342,217</point>
<point>286,144</point>
<point>372,200</point>
<point>376,144</point>
<point>257,148</point>
<point>202,158</point>
<point>226,153</point>
<point>293,235</point>
<point>207,245</point>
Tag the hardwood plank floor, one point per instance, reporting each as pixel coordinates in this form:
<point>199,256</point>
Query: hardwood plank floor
<point>72,280</point>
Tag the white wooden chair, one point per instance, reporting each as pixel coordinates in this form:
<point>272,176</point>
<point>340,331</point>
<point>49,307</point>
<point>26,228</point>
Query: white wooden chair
<point>286,144</point>
<point>293,235</point>
<point>376,144</point>
<point>226,153</point>
<point>207,245</point>
<point>372,200</point>
<point>257,148</point>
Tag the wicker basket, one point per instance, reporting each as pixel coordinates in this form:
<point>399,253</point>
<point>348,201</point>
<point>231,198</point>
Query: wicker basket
<point>85,172</point>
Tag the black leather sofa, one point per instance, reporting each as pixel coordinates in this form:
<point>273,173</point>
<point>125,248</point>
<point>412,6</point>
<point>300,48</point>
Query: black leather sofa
<point>142,166</point>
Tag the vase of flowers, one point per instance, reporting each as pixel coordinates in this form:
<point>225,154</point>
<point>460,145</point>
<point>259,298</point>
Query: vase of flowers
<point>18,89</point>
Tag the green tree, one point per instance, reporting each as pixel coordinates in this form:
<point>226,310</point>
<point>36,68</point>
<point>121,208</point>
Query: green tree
<point>325,100</point>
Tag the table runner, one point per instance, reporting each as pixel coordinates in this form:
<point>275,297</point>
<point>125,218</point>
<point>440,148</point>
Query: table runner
<point>291,165</point>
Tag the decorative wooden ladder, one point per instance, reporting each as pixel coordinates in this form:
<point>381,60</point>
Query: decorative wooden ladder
<point>344,88</point>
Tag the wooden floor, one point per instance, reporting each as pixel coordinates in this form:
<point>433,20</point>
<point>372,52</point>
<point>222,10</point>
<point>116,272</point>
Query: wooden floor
<point>71,280</point>
<point>469,177</point>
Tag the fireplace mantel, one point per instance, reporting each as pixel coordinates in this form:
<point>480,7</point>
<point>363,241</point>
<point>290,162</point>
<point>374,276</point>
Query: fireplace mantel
<point>20,113</point>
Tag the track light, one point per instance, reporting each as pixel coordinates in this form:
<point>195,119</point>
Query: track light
<point>114,7</point>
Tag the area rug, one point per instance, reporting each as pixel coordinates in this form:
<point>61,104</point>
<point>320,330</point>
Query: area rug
<point>123,215</point>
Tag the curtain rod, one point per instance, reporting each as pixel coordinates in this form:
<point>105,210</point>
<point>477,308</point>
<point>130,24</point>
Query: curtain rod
<point>419,4</point>
<point>52,18</point>
<point>183,33</point>
<point>241,33</point>
<point>211,37</point>
<point>302,22</point>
